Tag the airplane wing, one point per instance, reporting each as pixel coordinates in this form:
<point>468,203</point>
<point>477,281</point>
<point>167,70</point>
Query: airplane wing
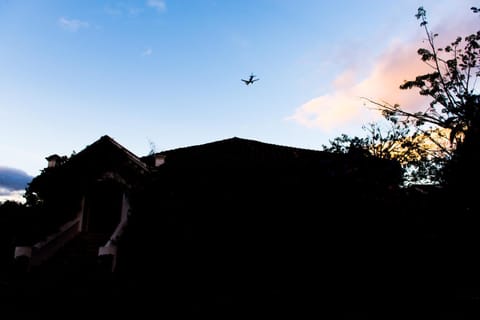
<point>251,79</point>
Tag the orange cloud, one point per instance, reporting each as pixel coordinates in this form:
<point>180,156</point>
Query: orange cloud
<point>344,107</point>
<point>329,111</point>
<point>399,63</point>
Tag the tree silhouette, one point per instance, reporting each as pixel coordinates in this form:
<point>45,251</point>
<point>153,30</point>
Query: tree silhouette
<point>418,157</point>
<point>446,134</point>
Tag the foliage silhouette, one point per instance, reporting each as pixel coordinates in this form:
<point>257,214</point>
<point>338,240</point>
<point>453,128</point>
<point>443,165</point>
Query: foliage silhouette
<point>438,144</point>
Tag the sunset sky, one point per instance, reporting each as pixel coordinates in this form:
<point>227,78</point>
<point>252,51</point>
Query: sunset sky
<point>166,73</point>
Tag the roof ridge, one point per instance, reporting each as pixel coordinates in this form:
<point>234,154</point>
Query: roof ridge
<point>235,138</point>
<point>129,153</point>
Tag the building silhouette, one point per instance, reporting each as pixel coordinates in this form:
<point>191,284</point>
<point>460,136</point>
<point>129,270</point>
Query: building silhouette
<point>234,221</point>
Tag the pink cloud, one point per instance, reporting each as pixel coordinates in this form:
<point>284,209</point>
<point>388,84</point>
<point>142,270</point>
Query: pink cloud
<point>344,107</point>
<point>399,63</point>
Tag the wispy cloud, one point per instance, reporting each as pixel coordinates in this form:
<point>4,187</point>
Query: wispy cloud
<point>121,9</point>
<point>158,5</point>
<point>72,25</point>
<point>147,52</point>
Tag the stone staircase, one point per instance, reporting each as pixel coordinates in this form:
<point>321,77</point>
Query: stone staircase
<point>80,252</point>
<point>74,269</point>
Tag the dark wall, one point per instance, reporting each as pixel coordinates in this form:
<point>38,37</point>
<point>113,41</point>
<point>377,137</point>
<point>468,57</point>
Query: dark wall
<point>254,232</point>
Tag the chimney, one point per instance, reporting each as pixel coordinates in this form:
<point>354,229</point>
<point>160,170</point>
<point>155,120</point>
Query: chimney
<point>159,159</point>
<point>53,160</point>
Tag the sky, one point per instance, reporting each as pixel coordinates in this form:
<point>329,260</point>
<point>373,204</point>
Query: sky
<point>164,74</point>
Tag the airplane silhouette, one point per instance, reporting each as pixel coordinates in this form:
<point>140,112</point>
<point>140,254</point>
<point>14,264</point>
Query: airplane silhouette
<point>250,80</point>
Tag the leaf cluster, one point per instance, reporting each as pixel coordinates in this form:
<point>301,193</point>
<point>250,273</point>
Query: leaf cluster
<point>424,141</point>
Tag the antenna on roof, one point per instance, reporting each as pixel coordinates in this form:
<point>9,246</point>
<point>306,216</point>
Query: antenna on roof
<point>153,148</point>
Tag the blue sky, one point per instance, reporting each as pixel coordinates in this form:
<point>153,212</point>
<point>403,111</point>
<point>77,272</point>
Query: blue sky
<point>168,72</point>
